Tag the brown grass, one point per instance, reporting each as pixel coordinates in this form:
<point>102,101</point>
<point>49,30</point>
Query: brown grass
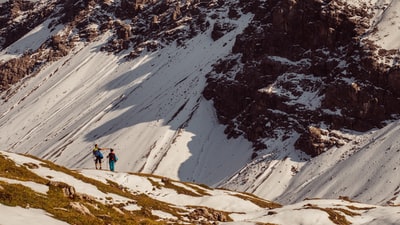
<point>9,169</point>
<point>258,201</point>
<point>334,216</point>
<point>359,208</point>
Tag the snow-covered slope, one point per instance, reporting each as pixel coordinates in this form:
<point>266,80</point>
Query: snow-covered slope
<point>151,110</point>
<point>386,30</point>
<point>365,170</point>
<point>98,196</point>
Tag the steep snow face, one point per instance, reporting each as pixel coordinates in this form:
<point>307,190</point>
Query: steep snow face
<point>356,169</point>
<point>365,170</point>
<point>289,82</point>
<point>150,110</point>
<point>386,22</point>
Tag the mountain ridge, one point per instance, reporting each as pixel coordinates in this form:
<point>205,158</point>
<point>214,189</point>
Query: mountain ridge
<point>127,86</point>
<point>155,83</point>
<point>38,190</point>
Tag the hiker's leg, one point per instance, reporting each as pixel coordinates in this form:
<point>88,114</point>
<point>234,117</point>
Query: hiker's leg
<point>112,165</point>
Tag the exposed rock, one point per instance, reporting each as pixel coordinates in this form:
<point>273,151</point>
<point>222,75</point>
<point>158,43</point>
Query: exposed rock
<point>394,81</point>
<point>11,31</point>
<point>69,191</point>
<point>118,210</point>
<point>316,141</point>
<point>165,180</point>
<point>80,208</point>
<point>282,62</point>
<point>85,197</point>
<point>208,215</point>
<point>123,31</point>
<point>132,26</point>
<point>14,70</point>
<point>220,29</point>
<point>257,90</point>
<point>31,165</point>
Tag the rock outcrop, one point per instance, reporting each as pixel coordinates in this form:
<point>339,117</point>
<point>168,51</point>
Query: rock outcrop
<point>304,64</point>
<point>298,64</point>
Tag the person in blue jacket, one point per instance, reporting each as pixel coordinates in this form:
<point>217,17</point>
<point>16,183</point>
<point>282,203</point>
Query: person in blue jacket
<point>98,156</point>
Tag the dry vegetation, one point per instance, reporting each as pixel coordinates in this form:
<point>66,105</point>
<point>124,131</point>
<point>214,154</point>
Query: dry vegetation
<point>258,201</point>
<point>62,207</point>
<point>335,216</point>
<point>64,203</point>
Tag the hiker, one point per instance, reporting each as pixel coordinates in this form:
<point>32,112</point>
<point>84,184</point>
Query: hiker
<point>112,159</point>
<point>98,156</point>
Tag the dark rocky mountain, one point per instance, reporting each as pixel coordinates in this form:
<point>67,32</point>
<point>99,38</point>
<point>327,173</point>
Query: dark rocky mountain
<point>299,67</point>
<point>325,54</point>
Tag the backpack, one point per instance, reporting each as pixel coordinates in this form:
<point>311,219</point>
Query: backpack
<point>113,157</point>
<point>98,153</point>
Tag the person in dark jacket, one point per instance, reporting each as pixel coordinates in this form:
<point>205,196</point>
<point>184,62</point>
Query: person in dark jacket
<point>112,159</point>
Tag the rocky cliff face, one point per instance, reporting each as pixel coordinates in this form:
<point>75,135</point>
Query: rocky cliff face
<point>139,25</point>
<point>303,66</point>
<point>300,66</point>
